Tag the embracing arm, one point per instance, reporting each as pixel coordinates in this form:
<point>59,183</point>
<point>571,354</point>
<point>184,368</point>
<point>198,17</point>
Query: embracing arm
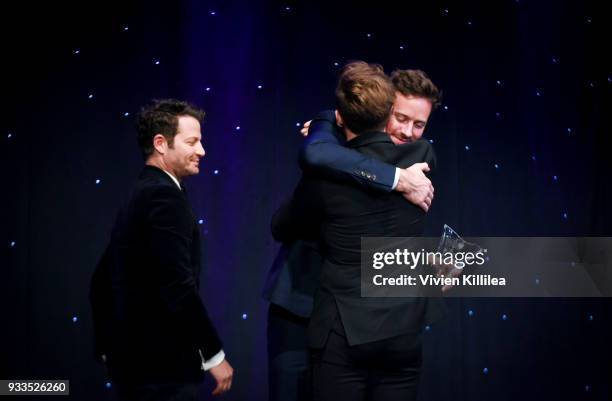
<point>323,152</point>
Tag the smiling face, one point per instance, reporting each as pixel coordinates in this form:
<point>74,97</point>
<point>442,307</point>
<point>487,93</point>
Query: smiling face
<point>183,157</point>
<point>408,118</point>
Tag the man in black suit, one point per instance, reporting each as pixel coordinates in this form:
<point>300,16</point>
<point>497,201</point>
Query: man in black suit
<point>364,348</point>
<point>150,325</point>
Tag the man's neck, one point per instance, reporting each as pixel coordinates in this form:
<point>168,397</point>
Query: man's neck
<point>349,134</point>
<point>159,163</point>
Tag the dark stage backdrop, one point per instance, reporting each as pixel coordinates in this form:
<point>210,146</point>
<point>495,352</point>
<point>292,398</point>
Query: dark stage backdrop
<point>521,140</point>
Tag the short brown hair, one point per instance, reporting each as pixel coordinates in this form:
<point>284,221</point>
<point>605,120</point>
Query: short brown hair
<point>161,117</point>
<point>364,97</point>
<point>416,83</point>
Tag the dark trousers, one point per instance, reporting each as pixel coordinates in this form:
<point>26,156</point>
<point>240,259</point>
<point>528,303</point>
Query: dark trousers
<point>386,370</point>
<point>288,356</point>
<point>158,391</point>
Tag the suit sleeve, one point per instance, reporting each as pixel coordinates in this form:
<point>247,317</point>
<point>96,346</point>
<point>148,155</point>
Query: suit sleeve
<point>323,153</point>
<point>300,217</point>
<point>171,224</point>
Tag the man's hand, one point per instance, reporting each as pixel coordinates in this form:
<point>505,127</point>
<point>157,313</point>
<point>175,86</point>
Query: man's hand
<point>223,374</point>
<point>415,186</point>
<point>304,130</point>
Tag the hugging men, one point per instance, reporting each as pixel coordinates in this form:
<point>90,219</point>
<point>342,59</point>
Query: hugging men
<point>361,348</point>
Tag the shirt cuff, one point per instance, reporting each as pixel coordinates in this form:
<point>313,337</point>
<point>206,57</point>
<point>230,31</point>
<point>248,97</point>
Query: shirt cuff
<point>214,361</point>
<point>396,179</point>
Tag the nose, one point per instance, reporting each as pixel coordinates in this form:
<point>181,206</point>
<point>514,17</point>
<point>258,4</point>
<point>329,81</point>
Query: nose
<point>200,150</point>
<point>407,130</point>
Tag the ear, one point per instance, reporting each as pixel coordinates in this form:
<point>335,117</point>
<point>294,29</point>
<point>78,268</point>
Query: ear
<point>160,144</point>
<point>339,121</point>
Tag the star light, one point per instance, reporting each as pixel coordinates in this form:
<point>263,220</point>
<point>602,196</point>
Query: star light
<point>244,316</point>
<point>216,172</point>
<point>90,96</point>
<point>287,8</point>
<point>13,244</point>
<point>504,317</point>
<point>555,178</point>
<point>537,281</point>
<point>76,51</point>
<point>427,328</point>
<point>498,114</point>
<point>554,60</point>
<point>496,166</point>
<point>538,93</point>
<point>336,64</point>
<point>588,20</point>
<point>108,385</point>
<point>591,318</point>
<point>445,107</point>
<point>565,215</point>
<point>431,141</point>
<point>445,12</point>
<point>200,221</point>
<point>156,62</point>
<point>97,181</point>
<point>499,82</point>
<point>401,47</point>
<point>207,89</point>
<point>469,23</point>
<point>485,371</point>
<point>587,388</point>
<point>237,127</point>
<point>75,319</point>
<point>9,136</point>
<point>533,157</point>
<point>126,114</point>
<point>126,28</point>
<point>470,313</point>
<point>369,35</point>
<point>467,147</point>
<point>259,86</point>
<point>213,13</point>
<point>569,131</point>
<point>297,124</point>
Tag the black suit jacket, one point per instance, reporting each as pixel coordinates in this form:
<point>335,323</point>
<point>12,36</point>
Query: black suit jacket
<point>149,319</point>
<point>340,215</point>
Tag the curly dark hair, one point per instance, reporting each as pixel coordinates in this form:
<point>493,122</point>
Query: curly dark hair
<point>417,83</point>
<point>161,117</point>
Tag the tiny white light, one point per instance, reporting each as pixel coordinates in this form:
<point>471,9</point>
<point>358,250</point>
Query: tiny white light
<point>555,178</point>
<point>156,62</point>
<point>208,89</point>
<point>244,316</point>
<point>213,13</point>
<point>499,83</point>
<point>297,124</point>
<point>569,130</point>
<point>97,181</point>
<point>126,114</point>
<point>126,28</point>
<point>496,165</point>
<point>259,86</point>
<point>90,96</point>
<point>431,141</point>
<point>13,244</point>
<point>445,107</point>
<point>216,172</point>
<point>77,51</point>
<point>369,35</point>
<point>533,157</point>
<point>237,127</point>
<point>467,147</point>
<point>336,64</point>
<point>288,8</point>
<point>200,221</point>
<point>9,136</point>
<point>75,319</point>
<point>565,215</point>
